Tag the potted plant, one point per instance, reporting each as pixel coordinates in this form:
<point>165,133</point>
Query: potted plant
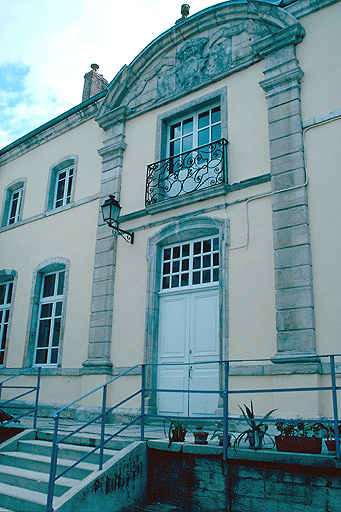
<point>256,430</point>
<point>218,433</point>
<point>176,431</point>
<point>200,436</point>
<point>298,437</point>
<point>330,441</point>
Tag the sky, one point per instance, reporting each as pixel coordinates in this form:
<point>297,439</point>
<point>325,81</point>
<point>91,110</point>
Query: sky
<point>46,47</point>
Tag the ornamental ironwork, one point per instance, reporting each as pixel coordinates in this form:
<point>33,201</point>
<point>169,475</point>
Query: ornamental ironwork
<point>188,172</point>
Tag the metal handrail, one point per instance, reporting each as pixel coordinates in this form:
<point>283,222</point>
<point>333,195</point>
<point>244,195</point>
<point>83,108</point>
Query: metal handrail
<point>225,392</point>
<point>102,442</point>
<point>16,399</point>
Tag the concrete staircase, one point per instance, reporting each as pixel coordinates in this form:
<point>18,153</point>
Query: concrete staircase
<point>25,465</point>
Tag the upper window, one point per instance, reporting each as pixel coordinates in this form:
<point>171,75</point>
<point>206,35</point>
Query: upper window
<point>13,202</point>
<point>15,206</point>
<point>49,318</point>
<point>61,184</point>
<point>63,187</point>
<point>6,292</point>
<point>193,146</point>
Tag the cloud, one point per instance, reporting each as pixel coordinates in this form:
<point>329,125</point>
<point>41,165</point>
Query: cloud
<point>47,47</point>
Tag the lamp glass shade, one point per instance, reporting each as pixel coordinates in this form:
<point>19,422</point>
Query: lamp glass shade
<point>111,210</point>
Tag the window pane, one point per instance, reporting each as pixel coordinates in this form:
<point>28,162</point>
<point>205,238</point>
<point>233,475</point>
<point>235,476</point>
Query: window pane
<point>60,283</point>
<point>215,244</point>
<point>54,355</point>
<point>176,266</point>
<point>175,281</point>
<point>196,262</point>
<point>46,311</point>
<point>206,261</point>
<point>206,276</point>
<point>175,131</point>
<point>187,126</point>
<point>185,264</point>
<point>207,246</point>
<point>56,331</point>
<point>216,259</point>
<point>184,279</point>
<point>185,250</point>
<point>41,356</point>
<point>69,188</point>
<point>2,293</point>
<point>166,268</point>
<point>204,119</point>
<point>203,137</point>
<point>176,252</point>
<point>9,293</point>
<point>216,274</point>
<point>167,254</point>
<point>165,282</point>
<point>216,117</point>
<point>3,337</point>
<point>196,277</point>
<point>187,143</point>
<point>215,133</point>
<point>197,248</point>
<point>49,282</point>
<point>175,148</point>
<point>44,333</point>
<point>59,308</point>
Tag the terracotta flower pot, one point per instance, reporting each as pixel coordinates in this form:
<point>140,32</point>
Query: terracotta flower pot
<point>330,444</point>
<point>298,444</point>
<point>178,436</point>
<point>200,437</point>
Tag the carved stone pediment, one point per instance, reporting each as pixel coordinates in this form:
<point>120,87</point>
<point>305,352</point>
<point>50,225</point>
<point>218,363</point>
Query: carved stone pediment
<point>208,46</point>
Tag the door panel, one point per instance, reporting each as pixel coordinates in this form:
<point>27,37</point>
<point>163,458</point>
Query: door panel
<point>188,335</point>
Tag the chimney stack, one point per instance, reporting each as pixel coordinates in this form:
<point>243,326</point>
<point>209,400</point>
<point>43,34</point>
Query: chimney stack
<point>93,83</point>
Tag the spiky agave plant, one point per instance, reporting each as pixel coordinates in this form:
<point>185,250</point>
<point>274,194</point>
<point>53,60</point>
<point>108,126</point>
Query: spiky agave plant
<point>257,428</point>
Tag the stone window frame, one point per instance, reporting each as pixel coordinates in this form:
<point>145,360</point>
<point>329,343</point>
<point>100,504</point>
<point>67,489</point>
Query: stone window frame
<point>9,275</point>
<point>63,163</point>
<point>46,267</point>
<point>185,228</point>
<point>19,183</point>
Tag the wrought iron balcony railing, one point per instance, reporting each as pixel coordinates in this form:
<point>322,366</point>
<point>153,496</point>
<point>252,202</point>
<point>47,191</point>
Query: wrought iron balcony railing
<point>188,172</point>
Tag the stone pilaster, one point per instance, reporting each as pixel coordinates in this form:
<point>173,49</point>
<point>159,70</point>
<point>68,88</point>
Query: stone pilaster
<point>291,235</point>
<point>101,315</point>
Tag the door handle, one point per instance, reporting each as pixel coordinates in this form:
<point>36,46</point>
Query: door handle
<point>190,372</point>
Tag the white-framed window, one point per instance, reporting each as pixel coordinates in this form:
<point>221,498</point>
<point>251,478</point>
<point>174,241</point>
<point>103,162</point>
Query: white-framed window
<point>13,202</point>
<point>49,318</point>
<point>15,206</point>
<point>6,293</point>
<point>195,130</point>
<point>63,187</point>
<point>61,183</point>
<point>190,264</point>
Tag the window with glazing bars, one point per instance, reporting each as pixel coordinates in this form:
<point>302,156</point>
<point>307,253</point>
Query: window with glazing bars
<point>6,290</point>
<point>63,188</point>
<point>49,318</point>
<point>14,206</point>
<point>190,264</point>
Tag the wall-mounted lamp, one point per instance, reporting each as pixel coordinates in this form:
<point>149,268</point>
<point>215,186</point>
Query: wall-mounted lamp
<point>111,212</point>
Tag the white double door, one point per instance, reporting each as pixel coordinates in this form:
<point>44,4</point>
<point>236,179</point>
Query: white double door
<point>189,339</point>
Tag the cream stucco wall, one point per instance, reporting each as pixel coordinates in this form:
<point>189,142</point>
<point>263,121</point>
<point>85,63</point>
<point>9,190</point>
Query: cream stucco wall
<point>323,151</point>
<point>319,58</point>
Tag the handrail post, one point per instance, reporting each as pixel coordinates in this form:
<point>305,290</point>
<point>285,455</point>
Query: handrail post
<point>37,399</point>
<point>104,406</point>
<point>53,467</point>
<point>335,410</point>
<point>0,389</point>
<point>143,393</point>
<point>225,409</point>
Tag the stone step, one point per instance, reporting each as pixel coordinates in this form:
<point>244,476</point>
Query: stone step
<point>83,439</point>
<point>66,451</point>
<point>35,480</point>
<point>20,499</point>
<point>42,463</point>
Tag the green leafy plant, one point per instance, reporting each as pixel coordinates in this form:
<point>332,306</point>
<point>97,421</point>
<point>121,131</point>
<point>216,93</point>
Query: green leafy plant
<point>218,434</point>
<point>299,429</point>
<point>176,431</point>
<point>257,428</point>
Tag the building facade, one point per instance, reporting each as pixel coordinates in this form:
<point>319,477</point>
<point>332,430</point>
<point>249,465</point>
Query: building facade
<point>219,140</point>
